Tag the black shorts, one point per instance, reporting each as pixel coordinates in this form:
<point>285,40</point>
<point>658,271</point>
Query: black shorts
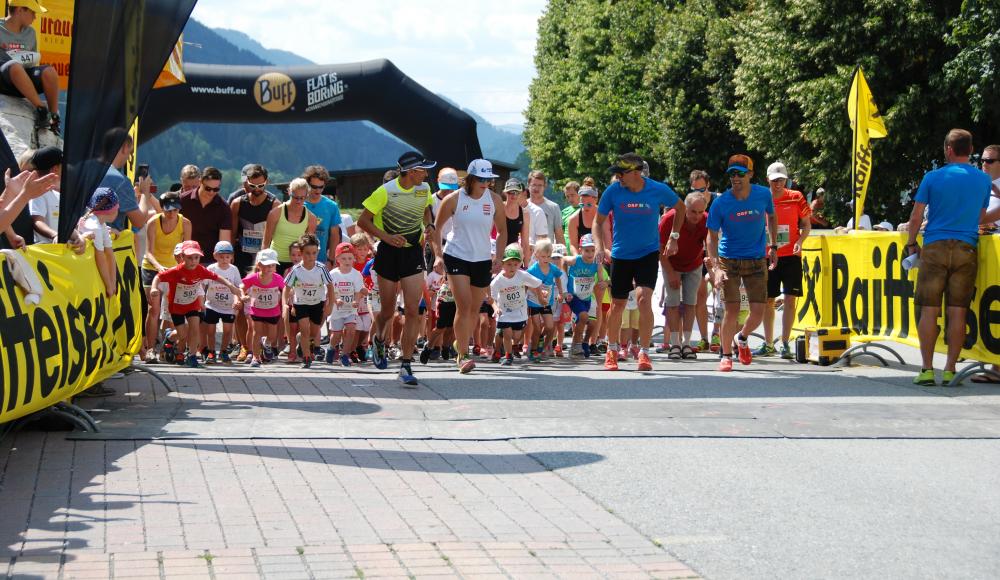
<point>446,315</point>
<point>787,276</point>
<point>486,308</point>
<point>212,317</point>
<point>147,277</point>
<point>627,275</point>
<point>394,263</point>
<point>265,319</point>
<point>480,273</point>
<point>511,325</point>
<point>536,310</point>
<point>179,319</point>
<point>314,312</point>
<point>7,86</point>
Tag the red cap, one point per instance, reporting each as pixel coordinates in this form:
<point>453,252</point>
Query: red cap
<point>344,248</point>
<point>191,248</point>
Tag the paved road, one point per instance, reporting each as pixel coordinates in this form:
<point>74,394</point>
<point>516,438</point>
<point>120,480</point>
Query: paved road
<point>554,470</point>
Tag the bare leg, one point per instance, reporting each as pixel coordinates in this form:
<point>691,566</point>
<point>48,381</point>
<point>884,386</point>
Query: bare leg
<point>22,82</point>
<point>787,317</point>
<point>769,321</point>
<point>927,331</point>
<point>956,335</point>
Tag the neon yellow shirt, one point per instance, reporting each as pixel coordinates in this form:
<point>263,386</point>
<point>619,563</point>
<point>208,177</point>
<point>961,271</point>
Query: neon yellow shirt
<point>400,211</point>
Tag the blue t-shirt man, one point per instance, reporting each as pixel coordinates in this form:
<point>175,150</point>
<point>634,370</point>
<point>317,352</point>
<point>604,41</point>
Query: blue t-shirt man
<point>637,217</point>
<point>743,223</point>
<point>328,213</point>
<point>955,196</point>
<point>127,201</point>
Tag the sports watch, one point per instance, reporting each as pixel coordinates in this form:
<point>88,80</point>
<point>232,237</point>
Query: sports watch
<point>675,235</point>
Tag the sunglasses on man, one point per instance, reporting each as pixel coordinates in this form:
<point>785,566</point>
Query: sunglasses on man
<point>736,173</point>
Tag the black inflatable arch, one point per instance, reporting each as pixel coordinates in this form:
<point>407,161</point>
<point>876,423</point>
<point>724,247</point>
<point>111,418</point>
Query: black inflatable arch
<point>374,90</point>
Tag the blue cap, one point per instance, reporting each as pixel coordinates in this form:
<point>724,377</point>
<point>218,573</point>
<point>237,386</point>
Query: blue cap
<point>223,247</point>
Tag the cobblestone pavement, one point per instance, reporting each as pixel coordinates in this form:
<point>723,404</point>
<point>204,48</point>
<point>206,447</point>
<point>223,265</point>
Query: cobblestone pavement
<point>301,508</point>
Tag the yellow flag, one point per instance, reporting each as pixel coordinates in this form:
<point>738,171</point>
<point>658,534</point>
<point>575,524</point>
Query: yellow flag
<point>867,124</point>
<point>130,163</point>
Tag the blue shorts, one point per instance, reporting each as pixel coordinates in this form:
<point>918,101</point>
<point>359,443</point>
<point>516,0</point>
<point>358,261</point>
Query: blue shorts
<point>578,306</point>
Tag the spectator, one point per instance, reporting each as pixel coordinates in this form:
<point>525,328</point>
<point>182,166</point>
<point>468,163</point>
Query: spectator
<point>682,272</point>
<point>581,221</point>
<point>211,218</point>
<point>190,177</point>
<point>883,227</point>
<point>115,180</point>
<point>45,209</point>
<point>518,218</point>
<point>990,161</point>
<point>326,211</point>
<point>546,216</point>
<point>21,189</point>
<point>866,220</point>
<point>21,73</point>
<point>571,192</point>
<point>956,197</point>
<point>816,206</point>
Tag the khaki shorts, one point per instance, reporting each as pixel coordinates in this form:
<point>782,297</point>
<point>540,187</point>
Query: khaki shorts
<point>947,268</point>
<point>753,275</point>
<point>630,319</point>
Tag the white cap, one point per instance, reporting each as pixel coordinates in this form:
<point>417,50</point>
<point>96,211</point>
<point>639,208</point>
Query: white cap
<point>777,170</point>
<point>447,178</point>
<point>884,227</point>
<point>587,241</point>
<point>559,251</point>
<point>267,257</point>
<point>482,169</point>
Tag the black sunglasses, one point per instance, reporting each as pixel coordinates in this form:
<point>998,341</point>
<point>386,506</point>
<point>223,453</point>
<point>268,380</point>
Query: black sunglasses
<point>320,186</point>
<point>213,189</point>
<point>735,173</point>
<point>990,161</point>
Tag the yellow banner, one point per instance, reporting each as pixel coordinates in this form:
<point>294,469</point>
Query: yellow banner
<point>133,132</point>
<point>75,337</point>
<point>867,124</point>
<point>858,281</point>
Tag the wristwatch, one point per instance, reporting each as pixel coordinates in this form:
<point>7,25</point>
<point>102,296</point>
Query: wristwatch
<point>675,235</point>
<point>773,246</point>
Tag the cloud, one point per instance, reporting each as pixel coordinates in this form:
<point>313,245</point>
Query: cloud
<point>478,54</point>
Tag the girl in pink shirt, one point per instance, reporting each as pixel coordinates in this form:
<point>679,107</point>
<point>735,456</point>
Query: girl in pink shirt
<point>263,289</point>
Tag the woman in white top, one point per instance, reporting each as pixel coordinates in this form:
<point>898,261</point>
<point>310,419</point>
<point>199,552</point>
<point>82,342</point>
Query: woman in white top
<point>473,211</point>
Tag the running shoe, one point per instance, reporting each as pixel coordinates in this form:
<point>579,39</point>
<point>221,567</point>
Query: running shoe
<point>306,363</point>
<point>611,361</point>
<point>192,362</point>
<point>253,362</point>
<point>634,351</point>
<point>947,377</point>
<point>702,345</point>
<point>559,351</point>
<point>622,355</point>
<point>168,350</point>
<point>533,357</point>
<point>786,352</point>
<point>210,357</point>
<point>476,350</point>
<point>745,356</point>
<point>716,344</point>
<point>355,358</point>
<point>345,360</point>
<point>507,361</point>
<point>663,348</point>
<point>435,353</point>
<point>331,355</point>
<point>495,357</point>
<point>465,364</point>
<point>179,358</point>
<point>925,378</point>
<point>585,347</point>
<point>576,350</point>
<point>242,357</point>
<point>517,351</point>
<point>726,364</point>
<point>765,350</point>
<point>674,353</point>
<point>644,363</point>
<point>425,356</point>
<point>406,375</point>
<point>378,353</point>
<point>268,353</point>
<point>151,357</point>
<point>602,347</point>
<point>224,358</point>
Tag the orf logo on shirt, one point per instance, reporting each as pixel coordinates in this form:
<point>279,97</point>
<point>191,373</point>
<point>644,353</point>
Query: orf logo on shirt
<point>487,208</point>
<point>274,92</point>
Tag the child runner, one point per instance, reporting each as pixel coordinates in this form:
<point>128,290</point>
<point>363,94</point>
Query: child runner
<point>552,279</point>
<point>362,253</point>
<point>585,276</point>
<point>220,302</point>
<point>439,342</point>
<point>561,314</point>
<point>263,288</point>
<point>349,290</point>
<point>509,290</point>
<point>184,296</point>
<point>288,327</point>
<point>630,328</point>
<point>309,291</point>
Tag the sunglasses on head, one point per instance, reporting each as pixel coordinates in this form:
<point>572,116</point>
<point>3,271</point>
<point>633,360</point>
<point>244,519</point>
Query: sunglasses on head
<point>213,189</point>
<point>736,173</point>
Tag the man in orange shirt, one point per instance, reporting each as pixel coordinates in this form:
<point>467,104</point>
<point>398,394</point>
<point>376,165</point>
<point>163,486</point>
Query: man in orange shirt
<point>794,224</point>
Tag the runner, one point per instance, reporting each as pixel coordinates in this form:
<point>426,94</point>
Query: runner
<point>397,213</point>
<point>635,250</point>
<point>467,259</point>
<point>581,222</point>
<point>518,218</point>
<point>743,216</point>
<point>326,211</point>
<point>794,224</point>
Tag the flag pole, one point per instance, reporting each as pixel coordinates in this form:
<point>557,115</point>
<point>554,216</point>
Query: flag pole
<point>854,148</point>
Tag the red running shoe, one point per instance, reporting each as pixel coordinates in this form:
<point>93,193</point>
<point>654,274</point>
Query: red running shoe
<point>726,364</point>
<point>644,363</point>
<point>611,361</point>
<point>746,357</point>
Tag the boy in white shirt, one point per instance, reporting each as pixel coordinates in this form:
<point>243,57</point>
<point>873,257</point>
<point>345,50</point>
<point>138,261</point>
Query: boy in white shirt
<point>349,289</point>
<point>509,291</point>
<point>220,304</point>
<point>309,292</point>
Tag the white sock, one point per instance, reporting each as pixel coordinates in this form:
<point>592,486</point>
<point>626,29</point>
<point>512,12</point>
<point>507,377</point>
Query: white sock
<point>687,337</point>
<point>675,338</point>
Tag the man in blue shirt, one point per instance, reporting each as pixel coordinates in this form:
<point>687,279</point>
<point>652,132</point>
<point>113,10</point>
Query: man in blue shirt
<point>956,196</point>
<point>635,203</point>
<point>740,223</point>
<point>128,211</point>
<point>324,208</point>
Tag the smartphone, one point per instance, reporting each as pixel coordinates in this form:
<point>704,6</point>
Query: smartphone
<point>142,171</point>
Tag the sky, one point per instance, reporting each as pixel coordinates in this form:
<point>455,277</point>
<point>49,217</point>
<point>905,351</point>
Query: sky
<point>479,54</point>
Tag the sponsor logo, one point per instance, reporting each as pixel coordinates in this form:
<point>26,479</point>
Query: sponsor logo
<point>487,208</point>
<point>324,90</point>
<point>274,92</point>
<point>217,90</point>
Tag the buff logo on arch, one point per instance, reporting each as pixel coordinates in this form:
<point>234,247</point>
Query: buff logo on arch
<point>274,92</point>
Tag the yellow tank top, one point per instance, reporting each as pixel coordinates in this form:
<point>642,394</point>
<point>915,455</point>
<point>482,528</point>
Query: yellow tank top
<point>286,232</point>
<point>163,248</point>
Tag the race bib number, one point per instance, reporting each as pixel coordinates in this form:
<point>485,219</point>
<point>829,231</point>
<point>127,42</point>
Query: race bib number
<point>783,235</point>
<point>514,300</point>
<point>583,287</point>
<point>186,294</point>
<point>633,302</point>
<point>220,295</point>
<point>346,293</point>
<point>267,298</point>
<point>308,294</point>
<point>252,238</point>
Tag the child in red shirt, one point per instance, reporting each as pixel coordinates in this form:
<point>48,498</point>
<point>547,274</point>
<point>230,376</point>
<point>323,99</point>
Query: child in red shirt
<point>184,298</point>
